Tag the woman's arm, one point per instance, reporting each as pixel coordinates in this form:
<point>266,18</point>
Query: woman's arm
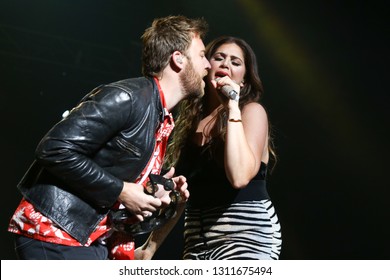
<point>246,140</point>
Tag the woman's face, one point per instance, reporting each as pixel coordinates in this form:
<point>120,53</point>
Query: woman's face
<point>228,60</point>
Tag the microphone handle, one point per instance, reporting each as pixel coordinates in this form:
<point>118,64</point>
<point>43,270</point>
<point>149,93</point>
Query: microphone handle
<point>229,92</point>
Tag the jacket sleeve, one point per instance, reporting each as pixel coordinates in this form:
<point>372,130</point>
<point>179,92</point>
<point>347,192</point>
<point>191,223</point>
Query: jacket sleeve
<point>68,149</point>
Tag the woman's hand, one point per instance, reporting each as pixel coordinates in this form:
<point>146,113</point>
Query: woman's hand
<point>220,83</point>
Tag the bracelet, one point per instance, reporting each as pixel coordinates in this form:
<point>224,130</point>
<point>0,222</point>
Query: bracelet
<point>235,120</point>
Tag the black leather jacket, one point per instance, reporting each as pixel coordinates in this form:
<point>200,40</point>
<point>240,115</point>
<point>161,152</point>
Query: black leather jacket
<point>82,161</point>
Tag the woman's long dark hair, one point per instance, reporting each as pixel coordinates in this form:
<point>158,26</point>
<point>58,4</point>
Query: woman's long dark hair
<point>191,111</point>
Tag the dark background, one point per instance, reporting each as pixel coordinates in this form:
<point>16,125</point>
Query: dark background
<point>325,69</point>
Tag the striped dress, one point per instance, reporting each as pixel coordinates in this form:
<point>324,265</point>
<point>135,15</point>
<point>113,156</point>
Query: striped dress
<point>244,230</point>
<point>222,223</point>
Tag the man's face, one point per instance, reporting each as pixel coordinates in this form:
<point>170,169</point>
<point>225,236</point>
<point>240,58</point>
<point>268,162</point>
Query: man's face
<point>195,69</point>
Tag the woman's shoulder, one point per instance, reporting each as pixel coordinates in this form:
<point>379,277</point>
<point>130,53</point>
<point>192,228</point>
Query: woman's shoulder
<point>254,109</point>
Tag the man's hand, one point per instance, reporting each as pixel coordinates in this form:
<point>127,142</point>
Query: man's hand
<point>148,249</point>
<point>137,201</point>
<point>143,205</point>
<point>181,185</point>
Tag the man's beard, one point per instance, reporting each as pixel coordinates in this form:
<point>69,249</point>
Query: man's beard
<point>191,82</point>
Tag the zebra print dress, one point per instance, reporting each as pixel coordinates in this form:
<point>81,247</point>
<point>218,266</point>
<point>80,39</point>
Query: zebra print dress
<point>244,230</point>
<point>222,222</point>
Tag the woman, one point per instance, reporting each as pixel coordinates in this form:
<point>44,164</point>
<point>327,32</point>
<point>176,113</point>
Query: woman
<point>225,157</point>
<point>225,160</point>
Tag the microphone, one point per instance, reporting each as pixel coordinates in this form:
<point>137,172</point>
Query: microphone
<point>229,92</point>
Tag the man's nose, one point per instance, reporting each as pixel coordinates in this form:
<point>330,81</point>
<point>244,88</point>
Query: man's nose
<point>208,65</point>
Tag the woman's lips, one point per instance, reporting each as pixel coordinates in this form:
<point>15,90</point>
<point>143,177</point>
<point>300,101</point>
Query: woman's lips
<point>221,74</point>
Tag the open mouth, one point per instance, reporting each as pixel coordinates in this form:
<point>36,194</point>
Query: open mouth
<point>220,74</point>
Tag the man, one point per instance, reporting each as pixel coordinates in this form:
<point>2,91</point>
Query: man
<point>99,157</point>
